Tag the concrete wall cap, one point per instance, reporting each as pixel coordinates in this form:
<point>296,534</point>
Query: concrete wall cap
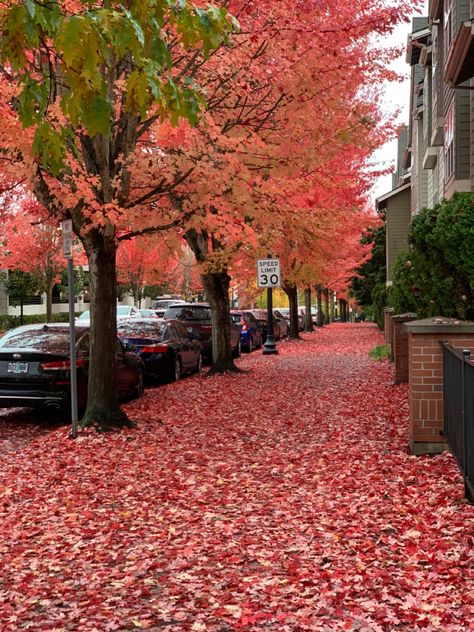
<point>407,316</point>
<point>439,324</point>
<point>388,309</point>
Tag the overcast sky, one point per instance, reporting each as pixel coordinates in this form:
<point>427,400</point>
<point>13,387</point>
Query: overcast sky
<point>397,96</point>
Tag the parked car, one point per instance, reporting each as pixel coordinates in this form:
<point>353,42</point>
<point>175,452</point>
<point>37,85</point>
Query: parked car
<point>35,368</point>
<point>250,332</point>
<point>197,320</point>
<point>261,317</point>
<point>283,323</point>
<point>144,312</point>
<point>123,311</point>
<point>166,347</point>
<point>161,304</point>
<point>314,313</point>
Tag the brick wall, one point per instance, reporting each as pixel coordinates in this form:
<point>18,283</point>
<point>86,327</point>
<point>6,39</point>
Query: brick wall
<point>400,346</point>
<point>425,392</point>
<point>387,312</point>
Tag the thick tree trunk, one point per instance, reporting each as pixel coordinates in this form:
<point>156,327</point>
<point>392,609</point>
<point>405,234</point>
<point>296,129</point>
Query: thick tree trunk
<point>327,308</point>
<point>308,319</point>
<point>216,287</point>
<point>292,292</point>
<point>103,409</point>
<point>319,298</point>
<point>342,309</point>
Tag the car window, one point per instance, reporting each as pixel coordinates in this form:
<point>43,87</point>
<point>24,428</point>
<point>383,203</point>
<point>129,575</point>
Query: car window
<point>43,339</point>
<point>236,318</point>
<point>85,316</point>
<point>172,332</point>
<point>123,310</point>
<point>189,313</point>
<point>140,328</point>
<point>183,332</point>
<point>83,344</point>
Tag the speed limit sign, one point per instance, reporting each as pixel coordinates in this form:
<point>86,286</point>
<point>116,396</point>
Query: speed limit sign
<point>268,273</point>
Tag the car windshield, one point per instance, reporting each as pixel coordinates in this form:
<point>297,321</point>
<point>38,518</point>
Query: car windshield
<point>85,316</point>
<point>123,310</point>
<point>43,339</point>
<point>198,312</point>
<point>163,303</point>
<point>141,328</point>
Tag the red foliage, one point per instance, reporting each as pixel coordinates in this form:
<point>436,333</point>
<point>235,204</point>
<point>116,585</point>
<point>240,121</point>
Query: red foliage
<point>283,498</point>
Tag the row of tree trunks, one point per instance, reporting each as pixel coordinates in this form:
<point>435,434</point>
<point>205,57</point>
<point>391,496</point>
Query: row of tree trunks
<point>343,310</point>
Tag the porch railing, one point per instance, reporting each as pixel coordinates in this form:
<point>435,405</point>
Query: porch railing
<point>458,395</point>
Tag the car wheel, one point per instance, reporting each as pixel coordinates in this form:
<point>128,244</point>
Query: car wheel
<point>177,370</point>
<point>198,368</point>
<point>250,345</point>
<point>237,351</point>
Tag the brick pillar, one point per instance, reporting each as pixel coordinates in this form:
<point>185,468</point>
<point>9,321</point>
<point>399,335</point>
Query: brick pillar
<point>400,345</point>
<point>425,386</point>
<point>387,311</point>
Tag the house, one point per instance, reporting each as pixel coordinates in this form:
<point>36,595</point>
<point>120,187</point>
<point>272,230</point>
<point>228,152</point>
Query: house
<point>438,158</point>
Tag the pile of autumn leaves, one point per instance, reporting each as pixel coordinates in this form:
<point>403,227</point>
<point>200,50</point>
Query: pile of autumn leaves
<point>282,498</point>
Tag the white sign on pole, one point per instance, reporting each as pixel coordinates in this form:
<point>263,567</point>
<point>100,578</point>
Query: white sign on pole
<point>66,228</point>
<point>268,273</point>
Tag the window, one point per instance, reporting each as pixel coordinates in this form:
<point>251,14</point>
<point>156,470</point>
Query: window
<point>448,26</point>
<point>449,142</point>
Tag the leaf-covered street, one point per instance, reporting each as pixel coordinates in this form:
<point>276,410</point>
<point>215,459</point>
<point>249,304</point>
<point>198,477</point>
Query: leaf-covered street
<point>282,498</point>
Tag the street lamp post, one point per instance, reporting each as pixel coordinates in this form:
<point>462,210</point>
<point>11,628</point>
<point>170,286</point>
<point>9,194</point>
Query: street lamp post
<point>269,346</point>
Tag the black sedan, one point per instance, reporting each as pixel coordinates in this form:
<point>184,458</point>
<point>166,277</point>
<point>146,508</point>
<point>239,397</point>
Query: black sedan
<point>35,368</point>
<point>166,347</point>
<point>196,317</point>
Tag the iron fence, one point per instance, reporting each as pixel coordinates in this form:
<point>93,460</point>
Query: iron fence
<point>458,395</point>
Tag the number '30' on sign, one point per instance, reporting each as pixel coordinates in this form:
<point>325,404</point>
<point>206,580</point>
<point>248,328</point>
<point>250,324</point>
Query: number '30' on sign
<point>268,273</point>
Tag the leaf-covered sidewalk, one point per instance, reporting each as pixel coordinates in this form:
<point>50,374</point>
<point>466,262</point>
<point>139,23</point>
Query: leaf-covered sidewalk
<point>283,498</point>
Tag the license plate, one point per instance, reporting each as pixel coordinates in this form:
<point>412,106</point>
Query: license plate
<point>17,367</point>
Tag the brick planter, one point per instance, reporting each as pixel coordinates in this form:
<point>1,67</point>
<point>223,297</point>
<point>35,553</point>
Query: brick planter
<point>387,312</point>
<point>399,345</point>
<point>425,390</point>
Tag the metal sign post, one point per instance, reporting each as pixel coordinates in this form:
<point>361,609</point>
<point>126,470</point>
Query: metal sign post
<point>66,227</point>
<point>268,275</point>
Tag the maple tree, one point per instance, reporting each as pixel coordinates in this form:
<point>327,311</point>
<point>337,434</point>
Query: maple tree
<point>34,248</point>
<point>142,264</point>
<point>296,508</point>
<point>284,104</point>
<point>287,127</point>
<point>87,80</point>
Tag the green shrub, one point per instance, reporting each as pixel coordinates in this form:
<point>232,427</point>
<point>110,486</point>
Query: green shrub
<point>435,277</point>
<point>380,352</point>
<point>8,321</point>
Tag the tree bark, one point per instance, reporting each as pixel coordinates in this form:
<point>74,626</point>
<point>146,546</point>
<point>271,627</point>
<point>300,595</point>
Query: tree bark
<point>319,295</point>
<point>292,292</point>
<point>331,306</point>
<point>327,309</point>
<point>308,319</point>
<point>216,286</point>
<point>343,310</point>
<point>103,409</point>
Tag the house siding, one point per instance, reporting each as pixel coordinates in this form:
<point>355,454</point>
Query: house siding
<point>462,136</point>
<point>398,218</point>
